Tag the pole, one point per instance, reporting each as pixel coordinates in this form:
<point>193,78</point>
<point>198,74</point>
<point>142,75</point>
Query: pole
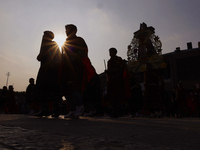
<point>105,64</point>
<point>106,71</point>
<point>7,74</point>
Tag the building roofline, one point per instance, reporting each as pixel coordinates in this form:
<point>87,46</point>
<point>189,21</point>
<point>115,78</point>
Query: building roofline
<point>181,51</point>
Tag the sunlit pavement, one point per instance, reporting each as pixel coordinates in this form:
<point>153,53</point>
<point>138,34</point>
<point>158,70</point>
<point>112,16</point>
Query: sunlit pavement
<point>23,132</point>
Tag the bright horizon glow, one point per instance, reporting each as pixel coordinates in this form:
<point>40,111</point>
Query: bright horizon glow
<point>60,39</point>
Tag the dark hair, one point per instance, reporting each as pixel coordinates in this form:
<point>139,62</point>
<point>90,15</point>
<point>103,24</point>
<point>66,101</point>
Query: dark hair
<point>71,28</point>
<point>5,87</point>
<point>31,79</point>
<point>48,34</point>
<point>11,87</point>
<point>113,49</point>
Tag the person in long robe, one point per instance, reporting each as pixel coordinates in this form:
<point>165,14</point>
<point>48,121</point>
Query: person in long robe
<point>47,82</point>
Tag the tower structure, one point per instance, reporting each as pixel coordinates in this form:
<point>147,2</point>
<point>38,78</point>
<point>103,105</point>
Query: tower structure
<point>7,74</point>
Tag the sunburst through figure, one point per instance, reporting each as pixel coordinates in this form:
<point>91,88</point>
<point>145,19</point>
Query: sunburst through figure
<point>60,39</point>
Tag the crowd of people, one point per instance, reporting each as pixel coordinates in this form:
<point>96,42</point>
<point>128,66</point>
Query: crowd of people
<point>67,84</point>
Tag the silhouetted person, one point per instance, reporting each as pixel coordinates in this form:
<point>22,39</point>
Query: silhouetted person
<point>11,102</point>
<point>181,99</point>
<point>135,102</point>
<point>92,98</point>
<point>73,70</point>
<point>152,100</point>
<point>30,97</point>
<point>165,100</point>
<point>197,99</point>
<point>192,101</point>
<point>3,98</point>
<point>116,89</point>
<point>174,105</point>
<point>47,82</point>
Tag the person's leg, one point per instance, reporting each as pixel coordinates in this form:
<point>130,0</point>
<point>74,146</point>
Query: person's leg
<point>72,105</point>
<point>56,108</point>
<point>44,111</point>
<point>78,103</point>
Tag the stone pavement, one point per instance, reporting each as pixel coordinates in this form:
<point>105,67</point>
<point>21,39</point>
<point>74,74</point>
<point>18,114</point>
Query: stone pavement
<point>23,132</point>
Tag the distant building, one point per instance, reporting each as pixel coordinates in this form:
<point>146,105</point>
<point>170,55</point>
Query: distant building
<point>182,65</point>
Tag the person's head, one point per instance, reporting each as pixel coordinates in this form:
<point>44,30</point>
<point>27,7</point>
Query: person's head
<point>4,88</point>
<point>48,35</point>
<point>70,30</point>
<point>31,81</point>
<point>10,88</point>
<point>112,52</point>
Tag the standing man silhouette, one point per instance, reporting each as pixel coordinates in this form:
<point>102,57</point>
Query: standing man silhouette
<point>77,70</point>
<point>116,90</point>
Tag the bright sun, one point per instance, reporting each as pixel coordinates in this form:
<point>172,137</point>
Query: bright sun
<point>59,39</point>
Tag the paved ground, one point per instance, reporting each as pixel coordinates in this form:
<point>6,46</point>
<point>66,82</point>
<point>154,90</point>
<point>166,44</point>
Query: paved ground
<point>22,132</point>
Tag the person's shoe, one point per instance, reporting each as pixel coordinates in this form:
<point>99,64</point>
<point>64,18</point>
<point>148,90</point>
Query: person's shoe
<point>90,114</point>
<point>55,115</point>
<point>70,115</point>
<point>152,115</point>
<point>106,116</point>
<point>137,114</point>
<point>131,116</point>
<point>79,111</point>
<point>114,115</point>
<point>42,113</point>
<point>160,115</point>
<point>31,113</point>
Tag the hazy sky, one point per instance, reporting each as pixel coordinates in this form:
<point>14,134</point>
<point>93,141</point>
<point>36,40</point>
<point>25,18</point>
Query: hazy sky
<point>102,23</point>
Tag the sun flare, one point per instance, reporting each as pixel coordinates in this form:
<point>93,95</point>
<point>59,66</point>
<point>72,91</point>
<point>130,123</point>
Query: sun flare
<point>60,39</point>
